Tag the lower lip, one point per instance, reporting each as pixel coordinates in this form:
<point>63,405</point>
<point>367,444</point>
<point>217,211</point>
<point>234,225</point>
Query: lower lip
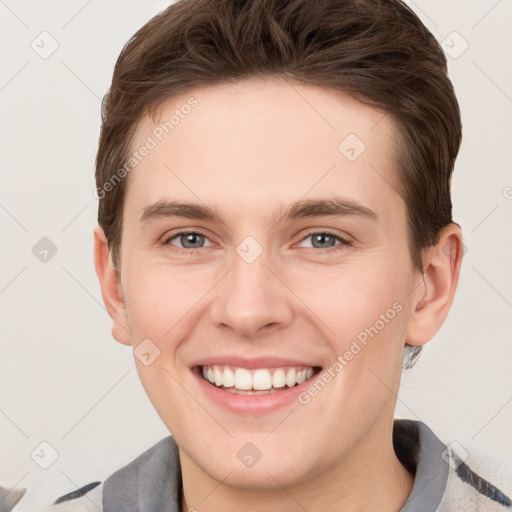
<point>252,404</point>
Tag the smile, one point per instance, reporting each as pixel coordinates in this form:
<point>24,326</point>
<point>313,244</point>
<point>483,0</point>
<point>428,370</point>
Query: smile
<point>255,381</point>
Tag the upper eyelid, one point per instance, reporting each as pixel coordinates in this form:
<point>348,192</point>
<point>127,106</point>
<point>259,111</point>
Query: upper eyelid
<point>184,233</point>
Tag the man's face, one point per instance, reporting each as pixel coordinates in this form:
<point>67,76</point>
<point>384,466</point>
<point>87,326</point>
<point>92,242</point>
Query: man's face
<point>264,292</point>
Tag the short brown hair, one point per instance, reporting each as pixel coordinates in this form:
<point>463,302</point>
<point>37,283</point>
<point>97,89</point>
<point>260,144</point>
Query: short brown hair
<point>377,51</point>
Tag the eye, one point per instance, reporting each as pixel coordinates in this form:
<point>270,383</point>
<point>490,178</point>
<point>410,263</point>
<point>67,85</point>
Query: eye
<point>188,240</point>
<point>327,240</point>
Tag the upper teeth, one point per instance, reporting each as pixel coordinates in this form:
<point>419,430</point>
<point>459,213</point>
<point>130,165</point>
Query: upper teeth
<point>258,379</point>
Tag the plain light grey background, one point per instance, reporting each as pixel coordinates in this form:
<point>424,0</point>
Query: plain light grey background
<point>66,382</point>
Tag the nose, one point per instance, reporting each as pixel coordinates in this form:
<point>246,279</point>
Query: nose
<point>252,299</point>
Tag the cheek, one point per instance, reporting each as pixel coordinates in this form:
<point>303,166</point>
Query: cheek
<point>351,302</point>
<point>160,305</point>
<point>160,298</point>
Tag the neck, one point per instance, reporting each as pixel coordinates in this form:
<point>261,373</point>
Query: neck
<point>370,477</point>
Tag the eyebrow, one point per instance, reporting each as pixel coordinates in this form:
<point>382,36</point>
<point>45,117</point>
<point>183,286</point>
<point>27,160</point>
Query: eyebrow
<point>331,206</point>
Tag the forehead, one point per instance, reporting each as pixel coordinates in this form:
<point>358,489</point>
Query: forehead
<point>264,141</point>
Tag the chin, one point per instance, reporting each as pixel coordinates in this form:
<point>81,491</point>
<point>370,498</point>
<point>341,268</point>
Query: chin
<point>266,474</point>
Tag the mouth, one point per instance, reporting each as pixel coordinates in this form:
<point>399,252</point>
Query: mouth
<point>255,381</point>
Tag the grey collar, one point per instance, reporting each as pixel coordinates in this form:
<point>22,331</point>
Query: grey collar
<point>420,451</point>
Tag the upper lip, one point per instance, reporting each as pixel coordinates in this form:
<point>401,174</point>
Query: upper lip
<point>252,363</point>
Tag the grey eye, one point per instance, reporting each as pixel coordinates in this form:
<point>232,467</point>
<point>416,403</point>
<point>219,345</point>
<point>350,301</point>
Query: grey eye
<point>190,240</point>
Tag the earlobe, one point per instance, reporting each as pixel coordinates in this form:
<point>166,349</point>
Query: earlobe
<point>110,287</point>
<point>434,295</point>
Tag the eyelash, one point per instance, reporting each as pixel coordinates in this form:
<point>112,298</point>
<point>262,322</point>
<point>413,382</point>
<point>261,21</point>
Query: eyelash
<point>343,242</point>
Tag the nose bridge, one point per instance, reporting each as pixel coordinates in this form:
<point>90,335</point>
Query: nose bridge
<point>251,297</point>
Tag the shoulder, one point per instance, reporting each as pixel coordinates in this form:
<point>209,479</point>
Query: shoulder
<point>476,481</point>
<point>448,476</point>
<point>119,491</point>
<point>85,499</point>
<point>123,488</point>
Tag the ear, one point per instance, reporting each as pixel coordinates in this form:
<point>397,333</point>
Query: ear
<point>434,295</point>
<point>111,290</point>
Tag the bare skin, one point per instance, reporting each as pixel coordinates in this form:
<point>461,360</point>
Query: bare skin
<point>247,151</point>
